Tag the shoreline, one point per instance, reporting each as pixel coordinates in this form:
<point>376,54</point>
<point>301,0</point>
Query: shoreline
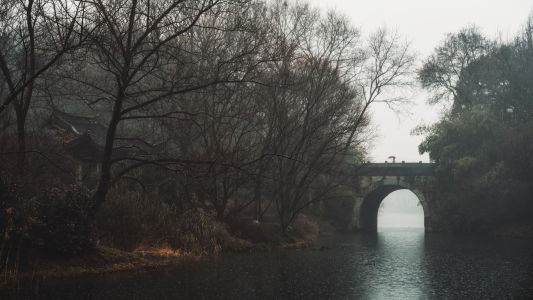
<point>107,260</point>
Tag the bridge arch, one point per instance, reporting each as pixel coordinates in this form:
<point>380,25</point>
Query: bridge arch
<point>367,209</point>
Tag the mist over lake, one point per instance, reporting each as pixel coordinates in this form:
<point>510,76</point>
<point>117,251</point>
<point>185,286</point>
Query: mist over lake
<point>266,149</point>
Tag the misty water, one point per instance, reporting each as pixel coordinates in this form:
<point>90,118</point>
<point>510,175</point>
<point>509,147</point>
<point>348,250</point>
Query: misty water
<point>396,263</point>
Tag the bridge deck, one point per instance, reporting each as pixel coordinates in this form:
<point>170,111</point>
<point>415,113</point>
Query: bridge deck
<point>396,169</point>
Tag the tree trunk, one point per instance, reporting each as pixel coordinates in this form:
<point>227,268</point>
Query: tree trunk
<point>257,199</point>
<point>104,183</point>
<point>21,146</point>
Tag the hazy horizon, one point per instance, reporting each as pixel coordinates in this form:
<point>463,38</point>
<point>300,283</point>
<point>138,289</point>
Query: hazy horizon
<point>401,209</point>
<point>425,24</point>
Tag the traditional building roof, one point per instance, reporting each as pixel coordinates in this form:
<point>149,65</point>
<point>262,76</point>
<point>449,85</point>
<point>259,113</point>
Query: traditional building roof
<point>80,125</point>
<point>84,137</point>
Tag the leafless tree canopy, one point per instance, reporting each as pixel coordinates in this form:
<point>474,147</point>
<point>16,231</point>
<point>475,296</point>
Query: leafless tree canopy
<point>221,104</point>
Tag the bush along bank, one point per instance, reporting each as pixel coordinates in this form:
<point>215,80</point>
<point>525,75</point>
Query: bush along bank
<point>53,235</point>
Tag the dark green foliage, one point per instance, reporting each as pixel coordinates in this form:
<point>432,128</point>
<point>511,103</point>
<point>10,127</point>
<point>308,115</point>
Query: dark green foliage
<point>57,220</point>
<point>60,221</point>
<point>484,147</point>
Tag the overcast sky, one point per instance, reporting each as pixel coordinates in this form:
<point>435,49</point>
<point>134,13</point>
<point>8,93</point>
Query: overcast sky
<point>424,23</point>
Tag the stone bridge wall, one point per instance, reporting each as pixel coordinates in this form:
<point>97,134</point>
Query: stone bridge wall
<point>357,211</point>
<point>373,189</point>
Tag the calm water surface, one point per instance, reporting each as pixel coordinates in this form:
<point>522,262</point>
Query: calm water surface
<point>394,264</point>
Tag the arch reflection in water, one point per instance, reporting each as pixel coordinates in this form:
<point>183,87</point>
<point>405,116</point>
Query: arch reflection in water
<point>400,209</point>
<point>398,270</point>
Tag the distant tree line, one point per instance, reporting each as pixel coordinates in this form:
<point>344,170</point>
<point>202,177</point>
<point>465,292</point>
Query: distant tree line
<point>483,145</point>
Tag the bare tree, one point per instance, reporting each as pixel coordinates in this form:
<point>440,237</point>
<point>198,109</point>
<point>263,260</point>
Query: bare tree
<point>387,67</point>
<point>443,70</point>
<point>320,107</point>
<point>308,103</point>
<point>151,57</point>
<point>35,35</point>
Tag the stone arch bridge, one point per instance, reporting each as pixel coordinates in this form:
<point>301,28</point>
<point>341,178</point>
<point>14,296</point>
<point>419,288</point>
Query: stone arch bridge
<point>377,180</point>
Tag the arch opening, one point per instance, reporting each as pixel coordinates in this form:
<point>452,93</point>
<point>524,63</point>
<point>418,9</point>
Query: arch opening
<point>370,208</point>
<point>400,209</point>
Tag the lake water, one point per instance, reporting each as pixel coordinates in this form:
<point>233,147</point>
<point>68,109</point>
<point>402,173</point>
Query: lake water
<point>387,220</point>
<point>394,264</point>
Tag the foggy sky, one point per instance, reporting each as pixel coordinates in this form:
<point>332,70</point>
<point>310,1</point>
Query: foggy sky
<point>401,209</point>
<point>424,23</point>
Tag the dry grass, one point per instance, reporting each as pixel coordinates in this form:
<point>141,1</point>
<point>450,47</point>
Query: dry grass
<point>311,228</point>
<point>296,244</point>
<point>160,252</point>
<point>103,260</point>
<point>107,260</point>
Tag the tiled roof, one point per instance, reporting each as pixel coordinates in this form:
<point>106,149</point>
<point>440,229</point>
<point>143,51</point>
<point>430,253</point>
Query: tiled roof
<point>80,125</point>
<point>85,137</point>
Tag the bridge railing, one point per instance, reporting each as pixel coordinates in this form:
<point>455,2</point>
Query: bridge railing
<point>396,169</point>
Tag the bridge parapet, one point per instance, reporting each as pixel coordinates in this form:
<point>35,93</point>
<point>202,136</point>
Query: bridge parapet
<point>396,169</point>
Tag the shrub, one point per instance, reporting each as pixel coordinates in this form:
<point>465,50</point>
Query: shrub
<point>257,232</point>
<point>11,225</point>
<point>131,219</point>
<point>200,233</point>
<point>10,222</point>
<point>305,227</point>
<point>59,221</point>
<point>56,221</point>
